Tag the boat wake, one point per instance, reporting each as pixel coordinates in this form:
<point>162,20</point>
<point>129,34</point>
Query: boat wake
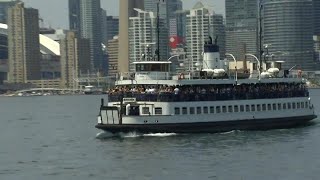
<point>106,135</point>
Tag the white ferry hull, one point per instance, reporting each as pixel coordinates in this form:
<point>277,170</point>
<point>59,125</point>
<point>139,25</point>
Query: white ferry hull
<point>210,127</point>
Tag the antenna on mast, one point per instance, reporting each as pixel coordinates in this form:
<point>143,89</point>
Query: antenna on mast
<point>158,30</point>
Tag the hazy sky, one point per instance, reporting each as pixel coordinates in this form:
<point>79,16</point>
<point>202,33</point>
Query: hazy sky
<point>55,12</point>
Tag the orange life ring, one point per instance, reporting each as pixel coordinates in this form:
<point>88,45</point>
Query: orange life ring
<point>181,76</point>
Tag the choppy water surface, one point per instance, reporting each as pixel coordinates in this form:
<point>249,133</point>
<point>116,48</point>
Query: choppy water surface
<point>54,138</point>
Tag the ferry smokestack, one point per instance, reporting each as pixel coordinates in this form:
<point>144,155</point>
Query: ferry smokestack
<point>211,55</point>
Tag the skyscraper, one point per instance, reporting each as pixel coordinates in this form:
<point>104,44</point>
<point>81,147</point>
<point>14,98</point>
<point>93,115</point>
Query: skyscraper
<point>85,18</point>
<point>23,44</point>
<point>90,28</point>
<point>241,28</point>
<point>4,5</point>
<point>126,11</point>
<point>74,15</point>
<point>241,13</point>
<point>316,17</point>
<point>197,33</point>
<point>217,29</point>
<point>75,59</point>
<point>143,32</point>
<point>289,35</point>
<point>112,27</point>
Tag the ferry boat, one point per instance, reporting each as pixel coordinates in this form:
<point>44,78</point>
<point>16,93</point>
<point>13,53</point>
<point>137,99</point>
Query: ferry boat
<point>154,100</point>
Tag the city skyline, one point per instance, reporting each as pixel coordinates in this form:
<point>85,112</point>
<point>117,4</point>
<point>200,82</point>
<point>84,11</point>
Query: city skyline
<point>55,13</point>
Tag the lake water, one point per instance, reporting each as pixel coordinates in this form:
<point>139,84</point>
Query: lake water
<point>54,138</point>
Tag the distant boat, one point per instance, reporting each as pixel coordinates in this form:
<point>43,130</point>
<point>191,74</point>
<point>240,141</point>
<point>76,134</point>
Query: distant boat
<point>92,90</point>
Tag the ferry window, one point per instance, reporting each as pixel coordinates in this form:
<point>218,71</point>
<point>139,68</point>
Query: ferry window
<point>191,110</point>
<point>236,108</point>
<point>224,109</point>
<point>241,108</point>
<point>145,110</point>
<point>298,105</point>
<point>218,110</point>
<point>302,105</point>
<point>293,105</point>
<point>253,107</point>
<point>269,107</point>
<point>279,106</point>
<point>229,108</point>
<point>184,110</point>
<point>264,107</point>
<point>198,110</point>
<point>211,109</point>
<point>247,108</point>
<point>274,106</point>
<point>306,104</point>
<point>205,110</point>
<point>258,107</point>
<point>158,110</point>
<point>177,111</point>
<point>284,106</point>
<point>289,105</point>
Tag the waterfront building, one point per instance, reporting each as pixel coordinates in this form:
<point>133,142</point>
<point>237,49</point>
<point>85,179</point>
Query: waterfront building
<point>90,26</point>
<point>143,37</point>
<point>75,59</point>
<point>200,24</point>
<point>104,32</point>
<point>74,16</point>
<point>4,6</point>
<point>241,13</point>
<point>217,29</point>
<point>112,27</point>
<point>85,18</point>
<point>113,46</point>
<point>23,43</point>
<point>240,42</point>
<point>316,16</point>
<point>126,10</point>
<point>241,28</point>
<point>288,32</point>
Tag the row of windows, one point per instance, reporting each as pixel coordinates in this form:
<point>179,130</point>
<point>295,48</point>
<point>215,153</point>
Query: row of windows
<point>240,108</point>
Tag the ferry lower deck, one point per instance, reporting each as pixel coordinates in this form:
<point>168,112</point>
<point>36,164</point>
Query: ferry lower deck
<point>205,116</point>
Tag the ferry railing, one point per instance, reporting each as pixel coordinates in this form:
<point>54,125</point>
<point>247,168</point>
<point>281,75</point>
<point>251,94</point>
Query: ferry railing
<point>222,96</point>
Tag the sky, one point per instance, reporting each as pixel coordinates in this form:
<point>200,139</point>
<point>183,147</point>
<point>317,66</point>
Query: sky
<point>55,12</point>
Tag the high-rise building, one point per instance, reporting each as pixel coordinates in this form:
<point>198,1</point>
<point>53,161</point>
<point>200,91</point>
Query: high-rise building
<point>112,27</point>
<point>197,32</point>
<point>289,36</point>
<point>74,15</point>
<point>23,44</point>
<point>113,46</point>
<point>241,13</point>
<point>240,42</point>
<point>85,18</point>
<point>4,5</point>
<point>143,32</point>
<point>104,27</point>
<point>90,27</point>
<point>241,28</point>
<point>167,8</point>
<point>126,11</point>
<point>217,29</point>
<point>75,59</point>
<point>316,17</point>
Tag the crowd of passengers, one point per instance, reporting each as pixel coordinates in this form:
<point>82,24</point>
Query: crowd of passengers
<point>207,92</point>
